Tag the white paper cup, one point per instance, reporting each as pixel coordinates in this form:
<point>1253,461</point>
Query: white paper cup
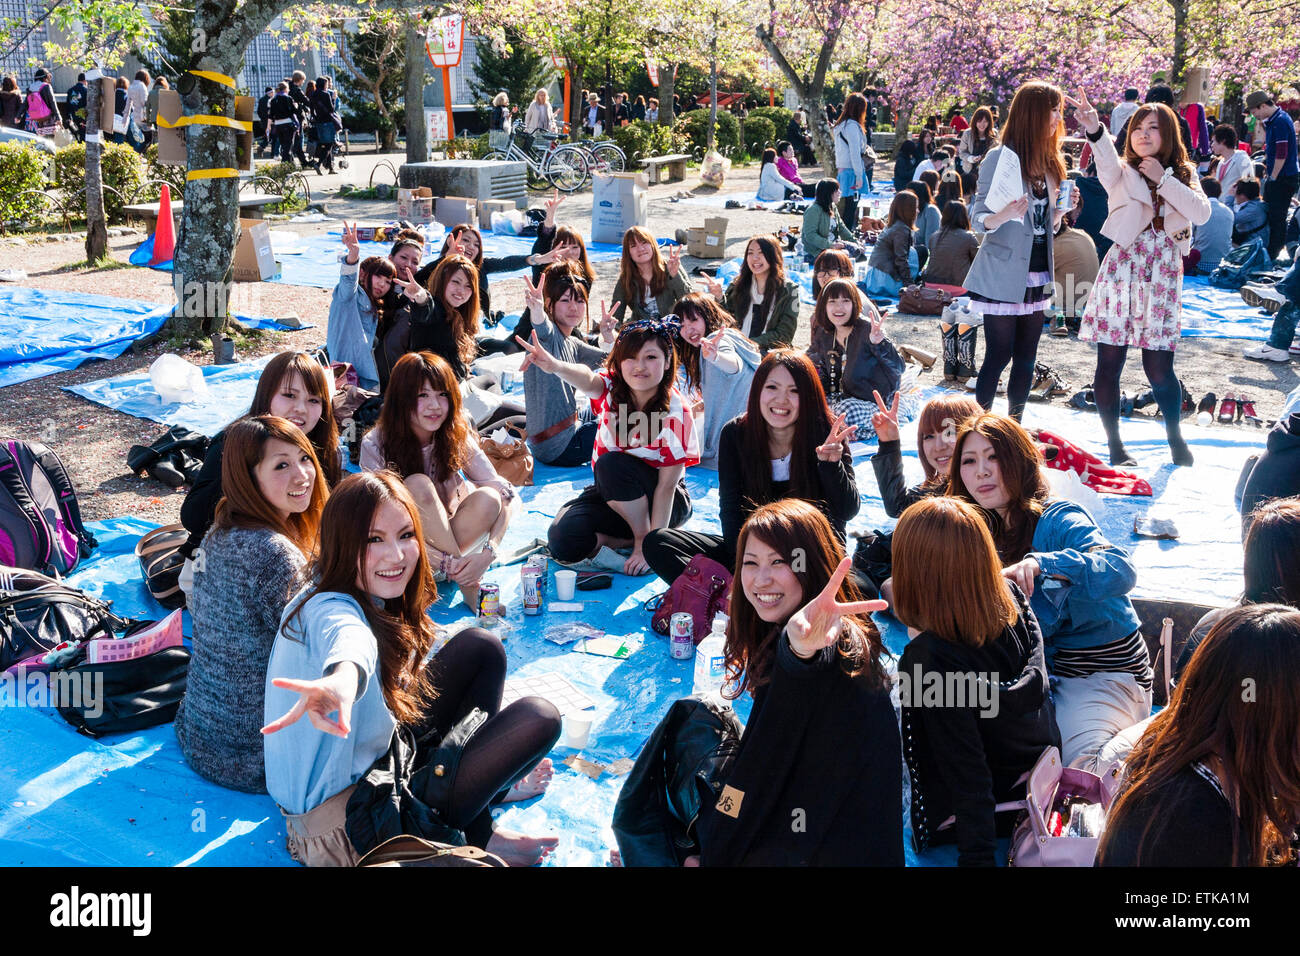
<point>577,729</point>
<point>565,581</point>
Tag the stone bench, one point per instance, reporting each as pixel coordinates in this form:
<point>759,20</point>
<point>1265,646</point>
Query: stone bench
<point>676,167</point>
<point>251,206</point>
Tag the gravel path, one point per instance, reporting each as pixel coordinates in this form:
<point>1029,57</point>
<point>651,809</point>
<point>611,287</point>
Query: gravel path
<point>93,440</point>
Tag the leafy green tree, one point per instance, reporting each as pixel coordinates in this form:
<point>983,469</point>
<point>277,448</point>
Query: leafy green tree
<point>518,69</point>
<point>375,77</point>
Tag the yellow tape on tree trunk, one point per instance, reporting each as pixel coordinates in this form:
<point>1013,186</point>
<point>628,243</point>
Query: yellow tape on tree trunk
<point>214,77</point>
<point>207,119</point>
<point>211,174</point>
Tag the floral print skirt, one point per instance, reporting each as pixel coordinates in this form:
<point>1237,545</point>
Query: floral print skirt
<point>1137,298</point>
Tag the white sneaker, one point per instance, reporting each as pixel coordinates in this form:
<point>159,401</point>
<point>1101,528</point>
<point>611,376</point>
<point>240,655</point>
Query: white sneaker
<point>1263,297</point>
<point>1266,353</point>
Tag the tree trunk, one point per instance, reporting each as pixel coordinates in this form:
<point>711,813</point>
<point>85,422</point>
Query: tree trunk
<point>96,227</point>
<point>1233,106</point>
<point>809,91</point>
<point>713,95</point>
<point>417,133</point>
<point>1179,65</point>
<point>902,119</point>
<point>667,81</point>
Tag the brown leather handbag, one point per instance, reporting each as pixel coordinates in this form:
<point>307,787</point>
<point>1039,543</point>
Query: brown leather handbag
<point>409,850</point>
<point>513,462</point>
<point>922,299</point>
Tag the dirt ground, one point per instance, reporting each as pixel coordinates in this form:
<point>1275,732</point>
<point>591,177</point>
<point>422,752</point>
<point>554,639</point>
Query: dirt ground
<point>93,440</point>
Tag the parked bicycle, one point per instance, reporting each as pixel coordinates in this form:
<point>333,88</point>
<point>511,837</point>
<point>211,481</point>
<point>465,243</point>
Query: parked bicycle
<point>547,162</point>
<point>604,155</point>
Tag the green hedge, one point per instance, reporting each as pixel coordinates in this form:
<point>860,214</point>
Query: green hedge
<point>174,176</point>
<point>22,168</point>
<point>758,134</point>
<point>779,117</point>
<point>121,167</point>
<point>640,140</point>
<point>695,126</point>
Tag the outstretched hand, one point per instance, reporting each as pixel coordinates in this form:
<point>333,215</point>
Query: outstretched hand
<point>1084,112</point>
<point>536,356</point>
<point>885,420</point>
<point>833,448</point>
<point>715,287</point>
<point>608,324</point>
<point>411,287</point>
<point>709,345</point>
<point>318,699</point>
<point>818,623</point>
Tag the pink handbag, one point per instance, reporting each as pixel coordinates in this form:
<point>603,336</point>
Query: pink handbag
<point>702,590</point>
<point>1033,843</point>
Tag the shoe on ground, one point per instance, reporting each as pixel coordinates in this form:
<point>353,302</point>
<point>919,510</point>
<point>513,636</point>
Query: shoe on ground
<point>1295,349</point>
<point>1266,353</point>
<point>1263,297</point>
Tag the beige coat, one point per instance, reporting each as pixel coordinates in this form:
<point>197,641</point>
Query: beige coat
<point>1130,200</point>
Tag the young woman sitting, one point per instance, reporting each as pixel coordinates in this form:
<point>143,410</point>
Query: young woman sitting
<point>424,436</point>
<point>786,445</point>
<point>1077,581</point>
<point>952,248</point>
<point>772,184</point>
<point>645,439</point>
<point>362,300</point>
<point>252,562</point>
<point>718,365</point>
<point>831,264</point>
<point>761,300</point>
<point>292,386</point>
<point>465,240</point>
<point>969,753</point>
<point>647,284</point>
<point>927,217</point>
<point>936,434</point>
<point>1214,781</point>
<point>822,228</point>
<point>894,261</point>
<point>856,363</point>
<point>950,190</point>
<point>821,743</point>
<point>788,167</point>
<point>561,429</point>
<point>393,742</point>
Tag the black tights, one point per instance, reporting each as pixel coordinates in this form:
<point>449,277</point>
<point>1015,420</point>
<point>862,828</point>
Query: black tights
<point>1159,366</point>
<point>1014,339</point>
<point>471,672</point>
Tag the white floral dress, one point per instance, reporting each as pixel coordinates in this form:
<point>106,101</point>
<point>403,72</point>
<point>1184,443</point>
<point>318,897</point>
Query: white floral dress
<point>1137,298</point>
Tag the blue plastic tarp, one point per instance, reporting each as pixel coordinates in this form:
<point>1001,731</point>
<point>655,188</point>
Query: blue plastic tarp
<point>44,332</point>
<point>65,800</point>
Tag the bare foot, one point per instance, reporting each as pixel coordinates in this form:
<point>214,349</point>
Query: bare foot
<point>615,858</point>
<point>518,849</point>
<point>536,782</point>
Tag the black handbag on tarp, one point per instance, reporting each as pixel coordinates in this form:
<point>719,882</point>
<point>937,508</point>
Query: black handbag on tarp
<point>119,697</point>
<point>37,613</point>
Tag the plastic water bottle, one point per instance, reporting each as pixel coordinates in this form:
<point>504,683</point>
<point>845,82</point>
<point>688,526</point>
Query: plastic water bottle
<point>710,664</point>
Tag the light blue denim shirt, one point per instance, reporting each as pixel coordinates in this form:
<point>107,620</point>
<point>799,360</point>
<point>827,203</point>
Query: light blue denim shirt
<point>306,766</point>
<point>352,325</point>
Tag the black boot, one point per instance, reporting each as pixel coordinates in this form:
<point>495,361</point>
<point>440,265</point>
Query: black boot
<point>966,335</point>
<point>949,334</point>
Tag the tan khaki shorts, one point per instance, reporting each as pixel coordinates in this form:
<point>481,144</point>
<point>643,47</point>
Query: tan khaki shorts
<point>319,836</point>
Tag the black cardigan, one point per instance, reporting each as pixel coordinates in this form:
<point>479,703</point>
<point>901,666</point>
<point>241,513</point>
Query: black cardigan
<point>819,768</point>
<point>887,463</point>
<point>490,265</point>
<point>963,760</point>
<point>430,330</point>
<point>839,488</point>
<point>200,506</point>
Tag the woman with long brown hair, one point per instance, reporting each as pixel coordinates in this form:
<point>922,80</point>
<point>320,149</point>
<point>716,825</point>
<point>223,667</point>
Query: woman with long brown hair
<point>717,364</point>
<point>424,437</point>
<point>821,743</point>
<point>394,742</point>
<point>1010,281</point>
<point>645,439</point>
<point>647,284</point>
<point>786,445</point>
<point>972,634</point>
<point>977,141</point>
<point>1078,584</point>
<point>445,314</point>
<point>252,560</point>
<point>1214,781</point>
<point>1155,200</point>
<point>763,302</point>
<point>851,144</point>
<point>295,387</point>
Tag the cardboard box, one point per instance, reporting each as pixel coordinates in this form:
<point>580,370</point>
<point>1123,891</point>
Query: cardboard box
<point>709,241</point>
<point>453,210</point>
<point>107,100</point>
<point>172,149</point>
<point>254,258</point>
<point>415,205</point>
<point>618,203</point>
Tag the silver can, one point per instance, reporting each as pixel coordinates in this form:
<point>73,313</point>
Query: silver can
<point>681,637</point>
<point>530,584</point>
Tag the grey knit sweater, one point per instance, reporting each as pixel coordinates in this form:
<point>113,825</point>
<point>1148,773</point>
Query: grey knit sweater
<point>241,585</point>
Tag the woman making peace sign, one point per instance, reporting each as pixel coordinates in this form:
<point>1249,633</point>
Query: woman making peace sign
<point>821,746</point>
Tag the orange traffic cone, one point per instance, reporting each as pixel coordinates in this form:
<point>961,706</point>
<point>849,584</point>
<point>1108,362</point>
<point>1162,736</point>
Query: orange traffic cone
<point>164,233</point>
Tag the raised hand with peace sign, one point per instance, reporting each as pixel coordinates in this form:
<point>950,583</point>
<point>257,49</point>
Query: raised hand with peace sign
<point>833,449</point>
<point>877,334</point>
<point>819,623</point>
<point>674,260</point>
<point>537,356</point>
<point>885,420</point>
<point>709,345</point>
<point>1084,112</point>
<point>714,286</point>
<point>608,324</point>
<point>533,295</point>
<point>351,243</point>
<point>412,289</point>
<point>552,203</point>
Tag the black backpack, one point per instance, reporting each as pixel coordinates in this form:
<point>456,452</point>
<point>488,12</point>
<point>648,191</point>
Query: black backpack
<point>37,613</point>
<point>126,695</point>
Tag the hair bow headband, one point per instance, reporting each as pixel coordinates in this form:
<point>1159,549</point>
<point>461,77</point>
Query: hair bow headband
<point>670,327</point>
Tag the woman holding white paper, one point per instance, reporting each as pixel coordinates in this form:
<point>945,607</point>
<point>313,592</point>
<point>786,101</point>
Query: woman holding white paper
<point>1010,280</point>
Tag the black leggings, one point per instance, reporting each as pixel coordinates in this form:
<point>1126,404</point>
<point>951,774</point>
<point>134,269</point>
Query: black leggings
<point>1159,366</point>
<point>1014,339</point>
<point>470,672</point>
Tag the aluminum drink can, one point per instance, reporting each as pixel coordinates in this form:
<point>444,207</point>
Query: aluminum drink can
<point>681,637</point>
<point>530,584</point>
<point>489,604</point>
<point>538,561</point>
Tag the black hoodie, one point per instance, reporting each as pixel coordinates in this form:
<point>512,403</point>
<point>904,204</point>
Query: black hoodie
<point>964,760</point>
<point>1277,472</point>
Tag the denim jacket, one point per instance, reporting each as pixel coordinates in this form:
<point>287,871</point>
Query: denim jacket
<point>352,322</point>
<point>1091,606</point>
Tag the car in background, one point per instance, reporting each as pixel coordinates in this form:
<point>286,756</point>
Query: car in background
<point>42,143</point>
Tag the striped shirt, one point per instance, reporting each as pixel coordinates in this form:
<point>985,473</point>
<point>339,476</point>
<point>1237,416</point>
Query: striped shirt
<point>676,438</point>
<point>1127,655</point>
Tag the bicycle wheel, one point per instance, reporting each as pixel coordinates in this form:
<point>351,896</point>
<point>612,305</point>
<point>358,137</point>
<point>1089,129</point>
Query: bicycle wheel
<point>609,158</point>
<point>567,169</point>
<point>495,156</point>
